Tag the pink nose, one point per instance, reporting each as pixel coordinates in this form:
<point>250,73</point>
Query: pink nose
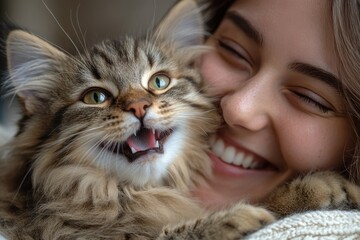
<point>138,107</point>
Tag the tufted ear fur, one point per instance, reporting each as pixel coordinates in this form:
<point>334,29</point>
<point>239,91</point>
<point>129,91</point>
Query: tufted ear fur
<point>183,25</point>
<point>32,66</point>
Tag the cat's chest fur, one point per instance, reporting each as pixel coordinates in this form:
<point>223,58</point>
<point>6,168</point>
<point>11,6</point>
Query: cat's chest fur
<point>109,136</point>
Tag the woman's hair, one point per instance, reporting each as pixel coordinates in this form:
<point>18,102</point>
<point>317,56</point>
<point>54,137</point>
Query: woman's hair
<point>214,11</point>
<point>346,26</point>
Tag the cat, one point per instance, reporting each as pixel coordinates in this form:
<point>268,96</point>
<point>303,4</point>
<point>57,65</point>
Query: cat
<point>100,130</point>
<point>112,141</point>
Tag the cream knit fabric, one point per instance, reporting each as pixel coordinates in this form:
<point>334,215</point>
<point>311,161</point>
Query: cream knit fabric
<point>324,225</point>
<point>317,225</point>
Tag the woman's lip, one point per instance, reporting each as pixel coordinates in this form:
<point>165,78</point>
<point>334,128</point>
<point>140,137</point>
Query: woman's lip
<point>221,168</point>
<point>231,142</point>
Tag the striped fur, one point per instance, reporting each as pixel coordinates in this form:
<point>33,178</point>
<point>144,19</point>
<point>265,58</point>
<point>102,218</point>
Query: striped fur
<point>60,179</point>
<point>64,176</point>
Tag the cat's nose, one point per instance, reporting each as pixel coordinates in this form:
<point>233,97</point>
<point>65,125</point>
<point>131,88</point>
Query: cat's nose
<point>138,107</point>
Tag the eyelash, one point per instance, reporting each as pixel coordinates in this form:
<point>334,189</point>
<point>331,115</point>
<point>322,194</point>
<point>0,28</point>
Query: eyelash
<point>231,50</point>
<point>303,97</point>
<point>318,105</point>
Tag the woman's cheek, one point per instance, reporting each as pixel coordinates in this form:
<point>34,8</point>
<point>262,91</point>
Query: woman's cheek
<point>217,74</point>
<point>211,72</point>
<point>314,145</point>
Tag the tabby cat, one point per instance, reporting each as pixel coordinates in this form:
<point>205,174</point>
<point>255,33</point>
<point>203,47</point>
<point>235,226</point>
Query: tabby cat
<point>112,141</point>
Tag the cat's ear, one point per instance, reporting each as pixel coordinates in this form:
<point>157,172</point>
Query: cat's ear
<point>31,61</point>
<point>183,25</point>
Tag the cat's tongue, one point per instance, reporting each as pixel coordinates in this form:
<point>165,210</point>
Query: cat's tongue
<point>144,140</point>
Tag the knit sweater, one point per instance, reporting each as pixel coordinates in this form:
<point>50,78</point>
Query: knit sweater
<point>316,225</point>
<point>324,225</point>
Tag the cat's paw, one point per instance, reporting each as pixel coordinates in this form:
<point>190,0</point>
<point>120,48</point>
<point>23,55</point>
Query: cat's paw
<point>319,190</point>
<point>234,223</point>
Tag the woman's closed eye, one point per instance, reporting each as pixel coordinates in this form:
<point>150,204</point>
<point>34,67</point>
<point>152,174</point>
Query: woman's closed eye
<point>234,53</point>
<point>312,101</point>
<point>230,49</point>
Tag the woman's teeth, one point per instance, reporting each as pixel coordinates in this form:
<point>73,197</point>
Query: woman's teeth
<point>233,156</point>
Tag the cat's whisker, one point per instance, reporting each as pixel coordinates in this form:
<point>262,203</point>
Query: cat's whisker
<point>62,29</point>
<point>89,136</point>
<point>78,25</point>
<point>87,128</point>
<point>9,91</point>
<point>84,144</point>
<point>153,21</point>
<point>75,141</point>
<point>77,132</point>
<point>61,140</point>
<point>96,145</point>
<point>98,156</point>
<point>81,63</point>
<point>117,148</point>
<point>104,150</point>
<point>26,175</point>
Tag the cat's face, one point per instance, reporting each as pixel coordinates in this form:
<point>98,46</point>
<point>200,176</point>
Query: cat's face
<point>134,110</point>
<point>129,106</point>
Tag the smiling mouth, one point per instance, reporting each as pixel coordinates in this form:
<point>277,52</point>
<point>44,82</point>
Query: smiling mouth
<point>236,157</point>
<point>144,141</point>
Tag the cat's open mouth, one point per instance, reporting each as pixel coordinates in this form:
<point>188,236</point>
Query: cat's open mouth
<point>145,141</point>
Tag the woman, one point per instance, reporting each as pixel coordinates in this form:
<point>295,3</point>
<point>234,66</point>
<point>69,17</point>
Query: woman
<point>287,74</point>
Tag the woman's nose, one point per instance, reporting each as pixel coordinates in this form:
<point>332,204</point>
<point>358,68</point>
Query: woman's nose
<point>249,106</point>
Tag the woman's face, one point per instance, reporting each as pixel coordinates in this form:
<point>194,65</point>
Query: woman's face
<point>274,67</point>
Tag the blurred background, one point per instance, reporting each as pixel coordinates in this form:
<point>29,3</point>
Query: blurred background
<point>96,19</point>
<point>84,21</point>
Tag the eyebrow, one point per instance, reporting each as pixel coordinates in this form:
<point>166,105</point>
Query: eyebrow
<point>245,26</point>
<point>318,73</point>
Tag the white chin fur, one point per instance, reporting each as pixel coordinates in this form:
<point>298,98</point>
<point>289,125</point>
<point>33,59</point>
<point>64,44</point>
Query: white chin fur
<point>150,168</point>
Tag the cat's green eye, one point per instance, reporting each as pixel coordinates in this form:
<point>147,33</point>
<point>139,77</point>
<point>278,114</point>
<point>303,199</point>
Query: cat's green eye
<point>95,97</point>
<point>159,82</point>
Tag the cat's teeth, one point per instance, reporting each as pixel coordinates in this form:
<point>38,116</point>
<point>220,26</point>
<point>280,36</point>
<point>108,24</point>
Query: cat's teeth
<point>135,134</point>
<point>133,150</point>
<point>157,145</point>
<point>153,131</point>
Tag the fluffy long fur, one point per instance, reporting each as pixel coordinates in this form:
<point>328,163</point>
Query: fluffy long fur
<point>68,173</point>
<point>59,178</point>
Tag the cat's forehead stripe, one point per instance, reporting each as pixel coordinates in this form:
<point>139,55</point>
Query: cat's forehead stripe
<point>102,54</point>
<point>135,49</point>
<point>121,50</point>
<point>95,72</point>
<point>150,59</point>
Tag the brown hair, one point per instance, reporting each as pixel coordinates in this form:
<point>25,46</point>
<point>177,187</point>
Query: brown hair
<point>346,26</point>
<point>214,11</point>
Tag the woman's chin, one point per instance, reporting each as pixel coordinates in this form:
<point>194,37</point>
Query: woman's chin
<point>212,199</point>
<point>230,184</point>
